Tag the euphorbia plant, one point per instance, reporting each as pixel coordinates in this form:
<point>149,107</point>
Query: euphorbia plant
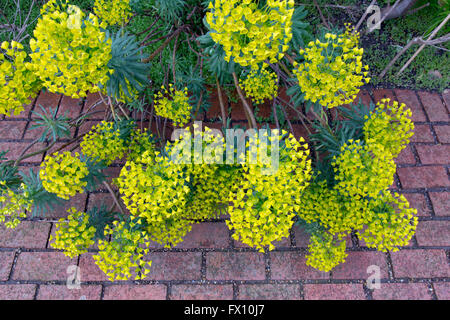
<point>333,186</point>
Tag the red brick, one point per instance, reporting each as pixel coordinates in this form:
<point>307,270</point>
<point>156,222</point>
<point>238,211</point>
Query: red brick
<point>443,133</point>
<point>235,266</point>
<point>353,291</point>
<point>202,292</point>
<point>442,290</point>
<point>26,235</point>
<point>70,108</point>
<point>300,131</point>
<point>61,292</point>
<point>214,111</point>
<point>89,271</point>
<point>420,263</point>
<point>206,235</point>
<point>17,291</point>
<point>438,154</point>
<point>87,126</point>
<point>175,266</point>
<point>364,96</point>
<point>237,111</point>
<point>92,99</point>
<point>405,157</point>
<point>269,292</point>
<point>422,133</point>
<point>78,202</point>
<point>301,237</point>
<point>292,266</point>
<point>46,100</point>
<point>33,133</point>
<point>379,94</point>
<point>423,177</point>
<point>6,261</point>
<point>135,292</point>
<point>418,201</point>
<point>16,148</point>
<point>441,203</point>
<point>434,107</point>
<point>446,97</point>
<point>43,266</point>
<point>99,199</point>
<point>409,98</point>
<point>12,129</point>
<point>433,233</point>
<point>402,291</point>
<point>356,264</point>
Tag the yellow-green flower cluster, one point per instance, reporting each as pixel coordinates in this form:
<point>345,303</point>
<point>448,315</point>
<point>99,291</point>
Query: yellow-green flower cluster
<point>363,170</point>
<point>325,252</point>
<point>70,52</point>
<point>113,12</point>
<point>63,174</point>
<point>389,126</point>
<point>332,72</point>
<point>155,190</point>
<point>249,31</point>
<point>260,85</point>
<point>103,142</point>
<point>73,236</point>
<point>334,211</point>
<point>123,256</point>
<point>174,105</point>
<point>393,223</point>
<point>13,205</point>
<point>140,143</point>
<point>17,83</point>
<point>263,205</point>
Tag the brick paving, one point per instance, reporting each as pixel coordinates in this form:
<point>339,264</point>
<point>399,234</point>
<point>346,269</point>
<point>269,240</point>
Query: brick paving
<point>209,264</point>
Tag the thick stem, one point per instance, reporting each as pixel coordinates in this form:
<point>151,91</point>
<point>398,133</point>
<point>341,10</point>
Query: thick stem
<point>222,106</point>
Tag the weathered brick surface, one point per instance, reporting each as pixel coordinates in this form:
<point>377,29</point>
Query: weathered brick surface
<point>433,233</point>
<point>420,263</point>
<point>422,133</point>
<point>411,101</point>
<point>206,235</point>
<point>405,157</point>
<point>441,203</point>
<point>202,292</point>
<point>6,261</point>
<point>135,292</point>
<point>12,129</point>
<point>437,154</point>
<point>44,266</point>
<point>17,291</point>
<point>443,133</point>
<point>61,292</point>
<point>423,177</point>
<point>291,265</point>
<point>379,94</point>
<point>26,235</point>
<point>356,264</point>
<point>402,291</point>
<point>175,266</point>
<point>89,271</point>
<point>235,266</point>
<point>15,150</point>
<point>78,202</point>
<point>207,252</point>
<point>418,201</point>
<point>442,290</point>
<point>351,291</point>
<point>269,292</point>
<point>434,107</point>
